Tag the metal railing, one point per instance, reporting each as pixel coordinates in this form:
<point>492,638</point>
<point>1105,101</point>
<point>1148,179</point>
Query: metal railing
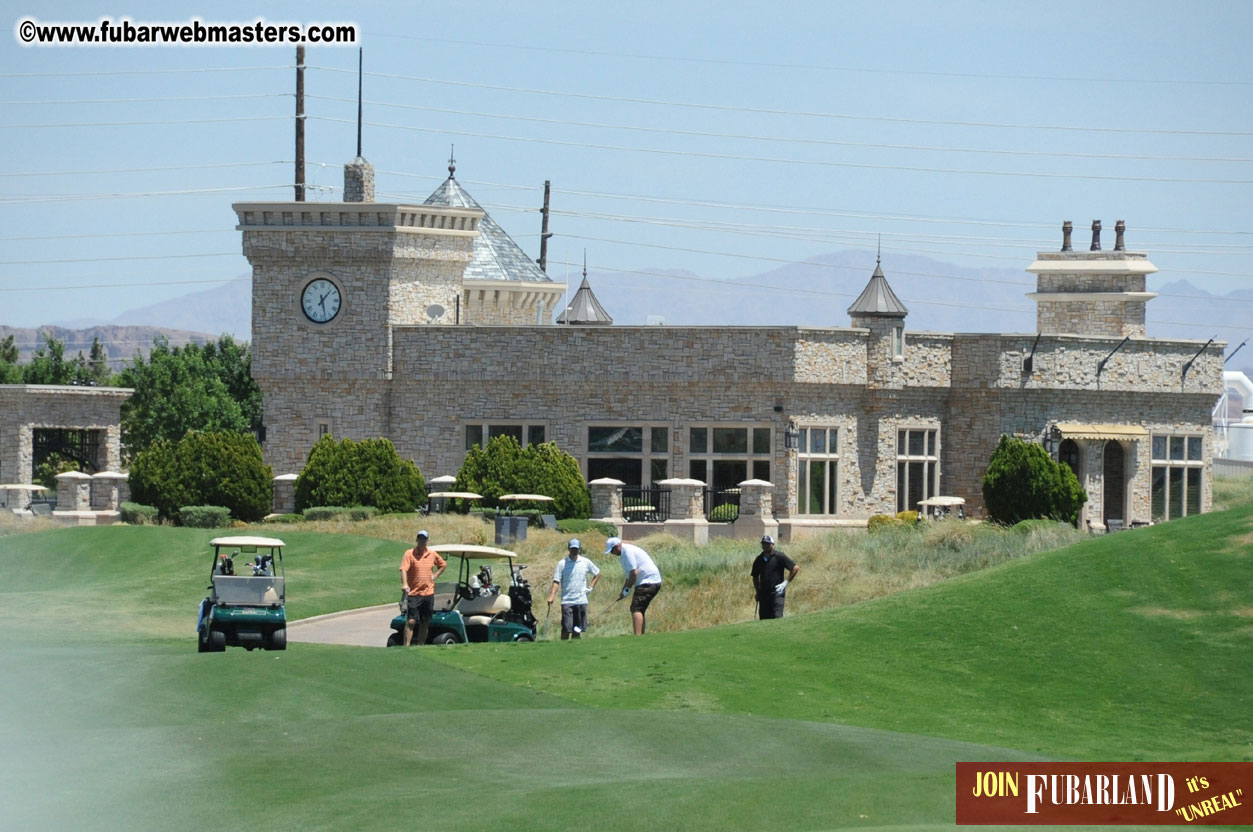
<point>646,504</point>
<point>722,505</point>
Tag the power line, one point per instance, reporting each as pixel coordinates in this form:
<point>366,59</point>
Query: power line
<point>803,113</point>
<point>139,170</point>
<point>103,72</point>
<point>221,230</point>
<point>87,197</point>
<point>790,139</point>
<point>179,99</point>
<point>113,259</point>
<point>140,123</point>
<point>809,67</point>
<point>45,288</point>
<point>735,157</point>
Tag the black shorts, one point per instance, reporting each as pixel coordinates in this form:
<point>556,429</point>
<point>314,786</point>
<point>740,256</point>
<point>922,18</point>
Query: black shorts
<point>420,607</point>
<point>771,607</point>
<point>572,616</point>
<point>644,595</point>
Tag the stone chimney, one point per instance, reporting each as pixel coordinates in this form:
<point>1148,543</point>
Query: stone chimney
<point>358,181</point>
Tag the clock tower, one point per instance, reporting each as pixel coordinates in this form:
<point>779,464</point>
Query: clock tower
<point>329,282</point>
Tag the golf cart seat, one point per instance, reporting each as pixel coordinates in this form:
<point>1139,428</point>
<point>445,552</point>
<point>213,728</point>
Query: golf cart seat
<point>487,605</point>
<point>244,590</point>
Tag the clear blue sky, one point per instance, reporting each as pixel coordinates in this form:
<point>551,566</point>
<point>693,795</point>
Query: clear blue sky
<point>819,125</point>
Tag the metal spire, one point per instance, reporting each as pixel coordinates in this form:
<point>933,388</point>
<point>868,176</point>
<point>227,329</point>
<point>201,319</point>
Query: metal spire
<point>585,264</point>
<point>878,255</point>
<point>452,161</point>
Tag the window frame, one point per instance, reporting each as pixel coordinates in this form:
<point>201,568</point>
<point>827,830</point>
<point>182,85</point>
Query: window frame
<point>1167,464</point>
<point>829,457</point>
<point>750,456</point>
<point>929,458</point>
<point>485,427</point>
<point>646,454</point>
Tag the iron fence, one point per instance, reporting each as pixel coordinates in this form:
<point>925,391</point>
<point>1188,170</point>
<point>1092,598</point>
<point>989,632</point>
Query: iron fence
<point>722,505</point>
<point>646,504</point>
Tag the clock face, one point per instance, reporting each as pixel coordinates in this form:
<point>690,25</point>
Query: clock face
<point>320,300</point>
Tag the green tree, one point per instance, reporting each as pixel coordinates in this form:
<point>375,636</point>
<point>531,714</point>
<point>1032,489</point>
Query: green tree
<point>216,468</point>
<point>98,364</point>
<point>505,467</point>
<point>188,388</point>
<point>365,473</point>
<point>8,350</point>
<point>1023,482</point>
<point>10,372</point>
<point>48,365</point>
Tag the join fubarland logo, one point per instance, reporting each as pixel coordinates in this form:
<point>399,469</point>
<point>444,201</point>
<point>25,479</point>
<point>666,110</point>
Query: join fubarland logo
<point>1104,793</point>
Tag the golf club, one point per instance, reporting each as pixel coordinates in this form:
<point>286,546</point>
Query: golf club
<point>601,614</point>
<point>544,632</point>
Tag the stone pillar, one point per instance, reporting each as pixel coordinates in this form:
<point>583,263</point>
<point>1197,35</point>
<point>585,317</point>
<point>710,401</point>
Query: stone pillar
<point>607,500</point>
<point>106,493</point>
<point>687,517</point>
<point>73,491</point>
<point>284,501</point>
<point>756,511</point>
<point>358,181</point>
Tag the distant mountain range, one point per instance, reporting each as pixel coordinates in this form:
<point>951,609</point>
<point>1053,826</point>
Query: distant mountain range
<point>941,297</point>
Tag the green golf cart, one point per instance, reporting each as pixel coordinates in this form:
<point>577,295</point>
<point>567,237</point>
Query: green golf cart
<point>247,598</point>
<point>476,608</point>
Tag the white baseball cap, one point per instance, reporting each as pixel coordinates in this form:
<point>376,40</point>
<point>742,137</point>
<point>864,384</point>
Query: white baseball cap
<point>765,538</point>
<point>610,543</point>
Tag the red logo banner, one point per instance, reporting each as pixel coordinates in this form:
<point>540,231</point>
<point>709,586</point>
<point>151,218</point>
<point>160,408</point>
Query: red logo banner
<point>1105,793</point>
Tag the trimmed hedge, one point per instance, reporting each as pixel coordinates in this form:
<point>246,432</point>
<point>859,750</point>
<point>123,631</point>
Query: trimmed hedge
<point>505,467</point>
<point>204,517</point>
<point>138,515</point>
<point>1023,482</point>
<point>879,522</point>
<point>575,525</point>
<point>365,473</point>
<point>725,513</point>
<point>286,518</point>
<point>340,512</point>
<point>217,469</point>
<point>907,517</point>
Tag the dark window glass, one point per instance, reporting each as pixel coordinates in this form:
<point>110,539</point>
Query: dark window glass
<point>761,470</point>
<point>817,485</point>
<point>696,470</point>
<point>1159,447</point>
<point>657,470</point>
<point>1194,491</point>
<point>833,469</point>
<point>917,483</point>
<point>699,441</point>
<point>900,486</point>
<point>804,439</point>
<point>916,438</point>
<point>1176,447</point>
<point>1194,448</point>
<point>505,430</point>
<point>535,435</point>
<point>930,443</point>
<point>761,440</point>
<point>659,440</point>
<point>900,444</point>
<point>730,440</point>
<point>729,473</point>
<point>627,470</point>
<point>474,436</point>
<point>1158,510</point>
<point>817,441</point>
<point>1175,496</point>
<point>614,439</point>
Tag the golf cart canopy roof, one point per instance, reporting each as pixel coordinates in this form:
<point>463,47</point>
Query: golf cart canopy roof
<point>456,495</point>
<point>471,552</point>
<point>536,497</point>
<point>943,501</point>
<point>447,479</point>
<point>270,542</point>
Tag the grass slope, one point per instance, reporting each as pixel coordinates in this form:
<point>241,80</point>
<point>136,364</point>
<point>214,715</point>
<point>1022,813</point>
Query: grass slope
<point>1133,645</point>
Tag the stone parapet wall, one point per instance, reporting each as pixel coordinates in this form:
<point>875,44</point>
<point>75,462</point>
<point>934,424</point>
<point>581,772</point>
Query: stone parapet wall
<point>509,303</point>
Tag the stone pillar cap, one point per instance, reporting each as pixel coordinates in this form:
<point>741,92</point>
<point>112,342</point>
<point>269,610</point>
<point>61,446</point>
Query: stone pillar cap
<point>73,475</point>
<point>681,481</point>
<point>109,475</point>
<point>286,477</point>
<point>606,481</point>
<point>756,484</point>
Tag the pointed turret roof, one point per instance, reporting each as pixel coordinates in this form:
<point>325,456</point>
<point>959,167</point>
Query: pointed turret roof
<point>496,255</point>
<point>584,308</point>
<point>878,298</point>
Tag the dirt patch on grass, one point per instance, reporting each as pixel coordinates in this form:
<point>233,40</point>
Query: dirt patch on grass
<point>1162,612</point>
<point>1243,612</point>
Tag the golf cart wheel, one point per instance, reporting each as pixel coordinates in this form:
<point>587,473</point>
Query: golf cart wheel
<point>217,641</point>
<point>278,639</point>
<point>445,638</point>
<point>524,637</point>
<point>394,640</point>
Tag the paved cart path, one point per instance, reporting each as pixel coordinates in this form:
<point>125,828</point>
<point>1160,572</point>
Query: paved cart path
<point>365,627</point>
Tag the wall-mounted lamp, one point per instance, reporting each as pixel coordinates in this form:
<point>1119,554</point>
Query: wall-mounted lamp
<point>1052,440</point>
<point>791,437</point>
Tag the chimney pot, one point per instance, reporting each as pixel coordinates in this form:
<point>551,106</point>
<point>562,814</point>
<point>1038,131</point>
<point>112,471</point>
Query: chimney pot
<point>1120,228</point>
<point>1096,235</point>
<point>1067,227</point>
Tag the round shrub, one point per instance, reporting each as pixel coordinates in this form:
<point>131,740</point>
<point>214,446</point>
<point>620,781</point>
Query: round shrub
<point>137,515</point>
<point>907,517</point>
<point>218,469</point>
<point>204,517</point>
<point>725,513</point>
<point>576,525</point>
<point>365,473</point>
<point>879,522</point>
<point>505,467</point>
<point>1023,482</point>
<point>316,513</point>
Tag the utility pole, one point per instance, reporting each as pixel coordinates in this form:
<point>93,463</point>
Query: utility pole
<point>300,124</point>
<point>360,52</point>
<point>543,231</point>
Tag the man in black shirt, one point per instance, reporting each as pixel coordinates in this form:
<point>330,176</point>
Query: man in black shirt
<point>772,572</point>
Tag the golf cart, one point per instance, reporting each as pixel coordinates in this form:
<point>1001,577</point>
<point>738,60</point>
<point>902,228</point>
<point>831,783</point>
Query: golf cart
<point>939,508</point>
<point>245,607</point>
<point>477,608</point>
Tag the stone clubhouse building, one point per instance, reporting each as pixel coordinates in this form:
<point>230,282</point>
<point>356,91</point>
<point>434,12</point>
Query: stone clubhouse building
<point>425,323</point>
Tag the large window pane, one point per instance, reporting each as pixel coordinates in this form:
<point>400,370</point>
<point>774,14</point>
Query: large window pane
<point>832,469</point>
<point>917,483</point>
<point>900,486</point>
<point>1176,447</point>
<point>916,438</point>
<point>761,470</point>
<point>730,440</point>
<point>699,440</point>
<point>659,440</point>
<point>658,469</point>
<point>761,440</point>
<point>900,442</point>
<point>696,470</point>
<point>1159,447</point>
<point>1175,501</point>
<point>729,473</point>
<point>802,500</point>
<point>615,439</point>
<point>1194,448</point>
<point>817,441</point>
<point>817,486</point>
<point>930,443</point>
<point>626,470</point>
<point>1194,491</point>
<point>474,436</point>
<point>505,430</point>
<point>535,435</point>
<point>1158,509</point>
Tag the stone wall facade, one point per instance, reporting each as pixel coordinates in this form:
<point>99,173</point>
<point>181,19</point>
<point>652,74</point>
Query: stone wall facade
<point>27,408</point>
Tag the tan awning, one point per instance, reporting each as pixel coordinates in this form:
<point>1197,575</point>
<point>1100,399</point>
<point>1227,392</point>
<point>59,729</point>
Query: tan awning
<point>1079,430</point>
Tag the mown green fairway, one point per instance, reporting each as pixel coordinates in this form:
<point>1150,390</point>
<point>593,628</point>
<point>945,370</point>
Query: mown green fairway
<point>1132,646</point>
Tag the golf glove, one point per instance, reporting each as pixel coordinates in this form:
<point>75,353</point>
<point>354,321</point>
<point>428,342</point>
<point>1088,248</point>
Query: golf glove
<point>590,587</point>
<point>626,590</point>
<point>779,589</point>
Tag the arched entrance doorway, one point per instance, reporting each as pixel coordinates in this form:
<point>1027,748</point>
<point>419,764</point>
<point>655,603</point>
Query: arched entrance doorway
<point>1068,454</point>
<point>1115,490</point>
